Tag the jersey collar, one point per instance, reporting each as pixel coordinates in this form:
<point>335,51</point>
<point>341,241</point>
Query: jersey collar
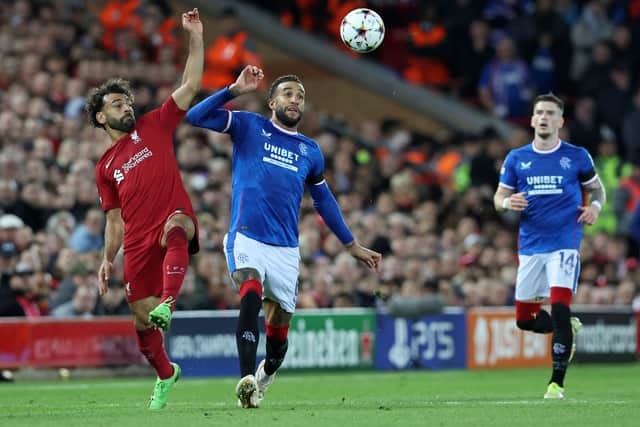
<point>554,149</point>
<point>281,129</point>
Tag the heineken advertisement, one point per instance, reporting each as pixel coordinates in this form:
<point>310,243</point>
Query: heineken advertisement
<point>325,339</point>
<point>204,342</point>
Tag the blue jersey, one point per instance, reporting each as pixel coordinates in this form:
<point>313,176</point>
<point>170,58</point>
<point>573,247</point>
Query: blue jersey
<point>553,182</point>
<point>270,166</point>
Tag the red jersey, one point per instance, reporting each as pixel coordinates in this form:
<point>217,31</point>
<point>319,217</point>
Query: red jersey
<point>140,175</point>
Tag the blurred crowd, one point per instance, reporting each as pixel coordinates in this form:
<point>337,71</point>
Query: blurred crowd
<point>423,201</point>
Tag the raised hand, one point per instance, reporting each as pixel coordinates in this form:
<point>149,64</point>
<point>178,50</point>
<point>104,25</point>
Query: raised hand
<point>191,22</point>
<point>247,81</point>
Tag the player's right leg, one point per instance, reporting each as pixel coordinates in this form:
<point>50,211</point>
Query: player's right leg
<point>531,317</point>
<point>531,287</point>
<point>248,334</point>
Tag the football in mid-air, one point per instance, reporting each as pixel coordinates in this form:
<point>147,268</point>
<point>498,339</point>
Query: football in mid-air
<point>362,30</point>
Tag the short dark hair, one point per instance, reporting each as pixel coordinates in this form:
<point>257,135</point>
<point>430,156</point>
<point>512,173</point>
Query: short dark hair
<point>95,99</point>
<point>282,79</point>
<point>549,97</point>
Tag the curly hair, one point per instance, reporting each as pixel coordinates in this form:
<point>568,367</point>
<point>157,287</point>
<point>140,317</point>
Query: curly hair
<point>282,79</point>
<point>95,99</point>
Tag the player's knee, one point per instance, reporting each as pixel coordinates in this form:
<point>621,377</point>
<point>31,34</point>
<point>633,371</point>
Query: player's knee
<point>251,286</point>
<point>183,222</point>
<point>526,325</point>
<point>242,275</point>
<point>141,321</point>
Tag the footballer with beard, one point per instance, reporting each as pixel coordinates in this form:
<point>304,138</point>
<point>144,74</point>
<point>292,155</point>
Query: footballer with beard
<point>271,164</point>
<point>146,205</point>
<point>547,181</point>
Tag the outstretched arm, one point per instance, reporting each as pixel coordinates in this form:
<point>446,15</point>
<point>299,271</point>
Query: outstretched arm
<point>192,75</point>
<point>207,113</point>
<point>327,206</point>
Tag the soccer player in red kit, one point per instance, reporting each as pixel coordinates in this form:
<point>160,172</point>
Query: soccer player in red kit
<point>146,205</point>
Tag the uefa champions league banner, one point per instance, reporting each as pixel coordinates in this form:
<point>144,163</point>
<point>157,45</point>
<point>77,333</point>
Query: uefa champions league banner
<point>436,341</point>
<point>204,342</point>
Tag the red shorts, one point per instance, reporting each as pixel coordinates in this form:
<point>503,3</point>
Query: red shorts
<point>143,262</point>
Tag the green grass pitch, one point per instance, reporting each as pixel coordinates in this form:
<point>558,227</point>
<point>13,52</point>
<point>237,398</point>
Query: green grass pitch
<point>597,395</point>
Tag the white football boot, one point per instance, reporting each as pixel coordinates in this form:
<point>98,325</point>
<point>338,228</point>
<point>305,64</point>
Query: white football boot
<point>247,392</point>
<point>263,380</point>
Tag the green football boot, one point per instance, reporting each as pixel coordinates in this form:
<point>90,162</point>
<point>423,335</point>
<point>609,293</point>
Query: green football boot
<point>160,317</point>
<point>161,390</point>
<point>576,325</point>
<point>554,391</point>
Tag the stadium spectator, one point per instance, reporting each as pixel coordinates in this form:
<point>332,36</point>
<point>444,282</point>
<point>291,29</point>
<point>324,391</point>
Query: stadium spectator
<point>88,236</point>
<point>475,51</point>
<point>592,26</point>
<point>626,198</point>
<point>505,83</point>
<point>428,59</point>
<point>229,53</point>
<point>631,130</point>
<point>80,274</point>
<point>82,304</point>
<point>584,129</point>
<point>611,168</point>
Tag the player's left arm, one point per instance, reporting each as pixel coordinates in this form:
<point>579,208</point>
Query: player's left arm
<point>325,203</point>
<point>597,198</point>
<point>192,75</point>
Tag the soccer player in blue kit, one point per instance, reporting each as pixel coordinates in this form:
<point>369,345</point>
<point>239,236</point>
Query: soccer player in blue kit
<point>271,164</point>
<point>546,181</point>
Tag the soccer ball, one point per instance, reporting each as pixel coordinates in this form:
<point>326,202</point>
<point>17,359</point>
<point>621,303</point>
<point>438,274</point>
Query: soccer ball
<point>362,30</point>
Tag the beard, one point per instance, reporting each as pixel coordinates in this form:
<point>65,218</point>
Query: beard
<point>125,124</point>
<point>281,115</point>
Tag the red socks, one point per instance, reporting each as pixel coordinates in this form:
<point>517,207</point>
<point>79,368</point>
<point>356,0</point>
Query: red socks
<point>150,343</point>
<point>527,310</point>
<point>277,332</point>
<point>174,266</point>
<point>561,295</point>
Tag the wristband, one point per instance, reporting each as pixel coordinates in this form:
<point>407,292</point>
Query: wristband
<point>505,203</point>
<point>597,204</point>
